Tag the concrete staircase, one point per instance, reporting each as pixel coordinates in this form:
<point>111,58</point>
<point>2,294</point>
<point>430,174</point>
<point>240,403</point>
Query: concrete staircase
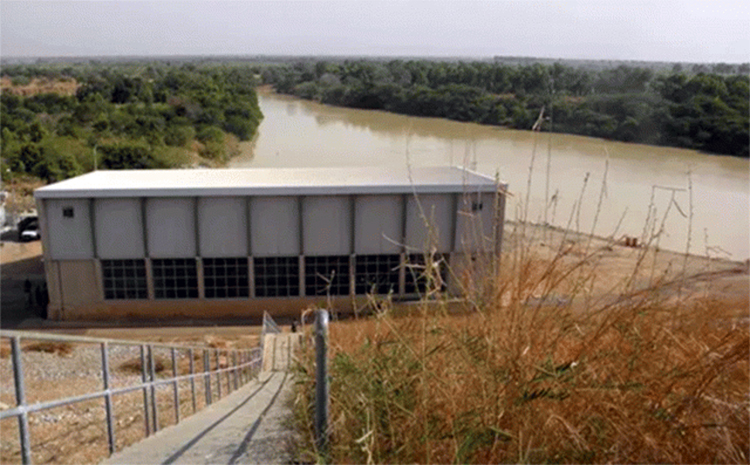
<point>249,426</point>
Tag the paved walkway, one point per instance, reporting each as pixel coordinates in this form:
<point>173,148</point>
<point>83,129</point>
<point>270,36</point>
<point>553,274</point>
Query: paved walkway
<point>248,426</point>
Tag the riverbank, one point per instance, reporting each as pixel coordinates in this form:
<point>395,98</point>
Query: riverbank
<point>629,104</point>
<point>610,267</point>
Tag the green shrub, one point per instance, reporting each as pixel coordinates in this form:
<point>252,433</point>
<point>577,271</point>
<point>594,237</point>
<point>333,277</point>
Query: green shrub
<point>130,155</point>
<point>209,134</point>
<point>177,136</point>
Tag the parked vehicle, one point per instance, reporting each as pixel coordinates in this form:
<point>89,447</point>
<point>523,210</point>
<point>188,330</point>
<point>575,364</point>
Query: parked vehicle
<point>27,221</point>
<point>30,232</point>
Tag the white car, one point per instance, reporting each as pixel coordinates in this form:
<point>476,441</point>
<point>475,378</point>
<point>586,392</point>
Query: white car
<point>31,233</point>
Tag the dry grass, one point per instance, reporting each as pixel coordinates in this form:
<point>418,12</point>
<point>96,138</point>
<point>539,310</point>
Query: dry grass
<point>545,366</point>
<point>163,364</point>
<point>133,365</point>
<point>62,349</point>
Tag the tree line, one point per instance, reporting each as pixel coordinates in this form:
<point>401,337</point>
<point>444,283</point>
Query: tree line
<point>126,117</point>
<point>706,111</point>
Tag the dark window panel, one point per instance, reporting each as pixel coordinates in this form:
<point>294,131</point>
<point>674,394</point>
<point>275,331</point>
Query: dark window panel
<point>119,279</point>
<point>226,277</point>
<point>272,275</point>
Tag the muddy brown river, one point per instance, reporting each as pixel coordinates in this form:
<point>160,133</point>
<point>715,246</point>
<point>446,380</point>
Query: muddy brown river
<point>643,183</point>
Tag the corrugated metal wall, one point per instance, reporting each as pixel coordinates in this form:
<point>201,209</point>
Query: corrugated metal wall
<point>69,229</point>
<point>170,227</point>
<point>429,220</point>
<point>327,225</point>
<point>222,226</point>
<point>119,228</point>
<point>378,224</point>
<point>274,226</point>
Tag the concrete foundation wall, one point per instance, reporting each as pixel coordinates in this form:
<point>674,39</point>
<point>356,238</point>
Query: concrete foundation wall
<point>203,309</point>
<point>79,286</point>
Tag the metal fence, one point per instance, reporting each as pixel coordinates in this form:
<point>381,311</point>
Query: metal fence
<point>238,366</point>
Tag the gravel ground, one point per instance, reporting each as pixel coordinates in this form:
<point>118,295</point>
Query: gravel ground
<point>77,433</point>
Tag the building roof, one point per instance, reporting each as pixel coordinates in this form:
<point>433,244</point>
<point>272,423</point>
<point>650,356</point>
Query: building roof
<point>268,181</point>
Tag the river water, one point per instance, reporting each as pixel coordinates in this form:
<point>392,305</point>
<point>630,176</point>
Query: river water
<point>639,178</point>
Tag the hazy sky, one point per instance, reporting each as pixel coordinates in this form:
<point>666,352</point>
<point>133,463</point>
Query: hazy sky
<point>654,30</point>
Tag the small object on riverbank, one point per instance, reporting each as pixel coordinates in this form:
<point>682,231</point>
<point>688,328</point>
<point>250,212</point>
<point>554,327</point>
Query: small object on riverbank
<point>630,241</point>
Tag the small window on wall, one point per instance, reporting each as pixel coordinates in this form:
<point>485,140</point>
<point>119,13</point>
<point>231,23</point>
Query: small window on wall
<point>68,212</point>
<point>376,274</point>
<point>124,279</point>
<point>327,275</point>
<point>276,276</point>
<point>175,278</point>
<point>420,277</point>
<point>225,277</point>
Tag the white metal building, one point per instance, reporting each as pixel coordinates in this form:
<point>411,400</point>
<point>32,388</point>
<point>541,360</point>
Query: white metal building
<point>230,243</point>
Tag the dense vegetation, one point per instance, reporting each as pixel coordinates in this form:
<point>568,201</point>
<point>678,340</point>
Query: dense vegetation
<point>701,110</point>
<point>123,116</point>
<point>61,119</point>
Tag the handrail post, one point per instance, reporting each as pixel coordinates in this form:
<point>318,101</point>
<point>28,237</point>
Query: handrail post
<point>229,372</point>
<point>175,386</point>
<point>108,398</point>
<point>152,378</point>
<point>23,418</point>
<point>207,376</point>
<point>218,375</point>
<point>235,379</point>
<point>144,379</point>
<point>321,381</point>
<point>192,378</point>
<point>242,367</point>
<point>234,370</point>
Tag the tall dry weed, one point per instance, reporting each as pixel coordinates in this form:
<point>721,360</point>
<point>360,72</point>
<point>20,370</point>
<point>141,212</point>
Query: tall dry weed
<point>529,377</point>
<point>548,363</point>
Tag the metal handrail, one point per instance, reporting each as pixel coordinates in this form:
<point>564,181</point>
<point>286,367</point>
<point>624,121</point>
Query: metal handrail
<point>9,333</point>
<point>322,399</point>
<point>244,365</point>
<point>269,326</point>
<point>123,390</point>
